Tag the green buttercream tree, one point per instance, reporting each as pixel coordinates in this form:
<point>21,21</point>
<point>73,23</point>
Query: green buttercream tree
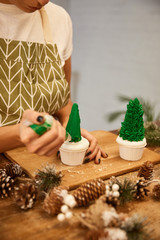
<point>133,126</point>
<point>73,125</point>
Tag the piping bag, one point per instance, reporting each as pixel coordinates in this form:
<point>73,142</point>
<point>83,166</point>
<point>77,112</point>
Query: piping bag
<point>46,126</point>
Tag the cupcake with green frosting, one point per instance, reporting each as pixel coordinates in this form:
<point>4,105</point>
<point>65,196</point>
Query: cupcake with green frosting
<point>131,138</point>
<point>73,151</point>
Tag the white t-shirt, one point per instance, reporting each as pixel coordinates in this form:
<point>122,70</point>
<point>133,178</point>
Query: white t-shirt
<point>18,25</point>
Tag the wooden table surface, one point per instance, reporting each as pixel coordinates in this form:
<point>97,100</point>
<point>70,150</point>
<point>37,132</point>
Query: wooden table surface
<point>36,224</point>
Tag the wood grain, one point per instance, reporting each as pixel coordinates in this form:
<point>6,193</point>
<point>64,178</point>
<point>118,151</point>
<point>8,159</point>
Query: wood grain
<point>76,175</point>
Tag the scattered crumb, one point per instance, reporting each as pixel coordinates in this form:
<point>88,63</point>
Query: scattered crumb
<point>100,169</point>
<point>73,171</point>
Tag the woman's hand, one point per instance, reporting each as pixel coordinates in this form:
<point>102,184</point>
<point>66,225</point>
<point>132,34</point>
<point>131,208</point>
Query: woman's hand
<point>94,151</point>
<point>46,144</point>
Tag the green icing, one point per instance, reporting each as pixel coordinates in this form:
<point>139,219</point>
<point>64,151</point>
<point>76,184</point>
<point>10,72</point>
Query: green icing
<point>133,126</point>
<point>41,129</point>
<point>73,125</point>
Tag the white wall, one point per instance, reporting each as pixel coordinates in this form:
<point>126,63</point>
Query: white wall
<point>116,51</point>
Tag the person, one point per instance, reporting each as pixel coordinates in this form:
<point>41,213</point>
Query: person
<point>35,75</point>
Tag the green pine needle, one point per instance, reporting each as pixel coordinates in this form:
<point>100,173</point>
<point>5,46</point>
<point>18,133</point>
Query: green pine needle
<point>158,117</point>
<point>123,98</point>
<point>135,227</point>
<point>152,134</point>
<point>113,116</point>
<point>47,178</point>
<point>126,190</point>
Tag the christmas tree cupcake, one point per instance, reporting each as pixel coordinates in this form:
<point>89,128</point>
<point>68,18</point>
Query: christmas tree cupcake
<point>72,152</point>
<point>131,139</point>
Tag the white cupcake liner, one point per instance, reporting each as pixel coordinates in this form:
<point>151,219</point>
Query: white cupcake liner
<point>73,153</point>
<point>131,151</point>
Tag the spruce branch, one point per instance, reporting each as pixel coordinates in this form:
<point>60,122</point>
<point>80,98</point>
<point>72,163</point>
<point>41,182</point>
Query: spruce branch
<point>135,227</point>
<point>123,98</point>
<point>152,134</point>
<point>113,116</point>
<point>47,178</point>
<point>126,190</point>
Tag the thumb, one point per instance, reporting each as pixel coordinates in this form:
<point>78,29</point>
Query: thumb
<point>32,117</point>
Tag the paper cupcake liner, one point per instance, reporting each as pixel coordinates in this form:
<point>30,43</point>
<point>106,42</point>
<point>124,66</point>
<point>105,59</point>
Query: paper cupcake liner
<point>73,153</point>
<point>131,151</point>
<point>131,154</point>
<point>72,158</point>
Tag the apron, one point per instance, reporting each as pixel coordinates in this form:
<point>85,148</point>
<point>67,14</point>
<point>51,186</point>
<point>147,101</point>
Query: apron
<point>31,77</point>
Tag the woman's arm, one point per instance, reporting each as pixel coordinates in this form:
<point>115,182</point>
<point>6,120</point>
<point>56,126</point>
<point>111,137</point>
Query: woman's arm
<point>9,138</point>
<point>10,135</point>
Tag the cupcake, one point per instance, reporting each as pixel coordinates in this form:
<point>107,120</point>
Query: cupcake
<point>131,138</point>
<point>73,151</point>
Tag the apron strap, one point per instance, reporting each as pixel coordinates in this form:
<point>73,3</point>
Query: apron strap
<point>48,37</point>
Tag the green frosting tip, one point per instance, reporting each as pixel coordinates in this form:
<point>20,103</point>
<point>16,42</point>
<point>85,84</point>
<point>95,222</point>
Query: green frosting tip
<point>73,125</point>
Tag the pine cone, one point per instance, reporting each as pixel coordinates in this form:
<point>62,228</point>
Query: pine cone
<point>114,201</point>
<point>89,191</point>
<point>12,169</point>
<point>25,195</point>
<point>156,192</point>
<point>146,170</point>
<point>6,184</point>
<point>140,190</point>
<point>54,201</point>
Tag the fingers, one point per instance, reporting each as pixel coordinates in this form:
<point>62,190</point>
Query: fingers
<point>27,135</point>
<point>104,154</point>
<point>92,140</point>
<point>100,154</point>
<point>58,154</point>
<point>98,157</point>
<point>96,154</point>
<point>50,149</point>
<point>94,151</point>
<point>45,144</point>
<point>49,142</point>
<point>30,117</point>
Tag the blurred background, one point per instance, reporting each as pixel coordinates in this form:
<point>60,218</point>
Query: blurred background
<point>116,51</point>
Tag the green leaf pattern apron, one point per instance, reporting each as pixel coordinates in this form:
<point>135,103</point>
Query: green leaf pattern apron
<point>31,77</point>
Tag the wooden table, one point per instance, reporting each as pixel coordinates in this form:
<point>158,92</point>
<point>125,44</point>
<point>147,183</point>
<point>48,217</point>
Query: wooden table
<point>36,224</point>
